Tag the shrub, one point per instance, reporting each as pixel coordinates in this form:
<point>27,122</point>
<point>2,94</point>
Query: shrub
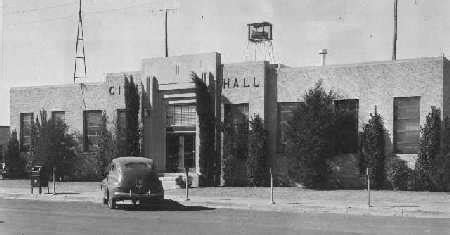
<point>311,134</point>
<point>181,182</point>
<point>106,147</point>
<point>132,103</point>
<point>398,173</point>
<point>54,146</point>
<point>14,161</point>
<point>257,171</point>
<point>231,162</point>
<point>372,150</point>
<point>429,149</point>
<point>440,176</point>
<point>206,121</point>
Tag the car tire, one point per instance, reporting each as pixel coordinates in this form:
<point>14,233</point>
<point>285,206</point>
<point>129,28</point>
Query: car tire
<point>112,203</point>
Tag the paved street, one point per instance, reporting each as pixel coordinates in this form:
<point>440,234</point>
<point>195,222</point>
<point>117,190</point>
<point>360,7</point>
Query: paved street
<point>43,217</point>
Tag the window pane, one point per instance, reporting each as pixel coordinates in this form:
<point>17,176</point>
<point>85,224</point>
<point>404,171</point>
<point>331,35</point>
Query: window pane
<point>406,124</point>
<point>92,124</point>
<point>181,115</point>
<point>236,122</point>
<point>285,113</point>
<point>347,122</point>
<point>58,115</point>
<point>26,120</point>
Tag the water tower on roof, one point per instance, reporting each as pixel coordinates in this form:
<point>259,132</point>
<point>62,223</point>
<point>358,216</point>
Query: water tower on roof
<point>260,45</point>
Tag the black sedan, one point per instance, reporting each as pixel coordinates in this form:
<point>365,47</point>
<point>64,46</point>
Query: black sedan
<point>131,178</point>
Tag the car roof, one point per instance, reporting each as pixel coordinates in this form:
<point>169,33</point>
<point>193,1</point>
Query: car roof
<point>124,160</point>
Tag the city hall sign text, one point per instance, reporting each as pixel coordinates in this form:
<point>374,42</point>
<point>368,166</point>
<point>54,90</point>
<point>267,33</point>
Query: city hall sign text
<point>240,82</point>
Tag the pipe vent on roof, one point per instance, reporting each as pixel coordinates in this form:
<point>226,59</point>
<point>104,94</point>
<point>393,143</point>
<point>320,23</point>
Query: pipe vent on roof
<point>323,54</point>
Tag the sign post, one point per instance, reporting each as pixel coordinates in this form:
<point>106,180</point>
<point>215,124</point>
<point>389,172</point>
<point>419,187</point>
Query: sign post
<point>271,187</point>
<point>187,183</point>
<point>368,186</point>
<point>54,183</point>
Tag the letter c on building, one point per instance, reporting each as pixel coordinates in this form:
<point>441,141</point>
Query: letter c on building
<point>111,90</point>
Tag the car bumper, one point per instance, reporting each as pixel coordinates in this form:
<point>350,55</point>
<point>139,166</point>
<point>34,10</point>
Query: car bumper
<point>138,196</point>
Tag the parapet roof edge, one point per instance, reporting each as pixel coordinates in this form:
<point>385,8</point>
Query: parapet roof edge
<point>179,56</point>
<point>56,86</point>
<point>367,63</point>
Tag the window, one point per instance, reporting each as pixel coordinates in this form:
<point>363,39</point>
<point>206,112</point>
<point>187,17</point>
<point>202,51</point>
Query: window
<point>406,124</point>
<point>236,120</point>
<point>26,120</point>
<point>347,123</point>
<point>92,122</point>
<point>285,113</point>
<point>58,115</point>
<point>181,115</point>
<point>121,124</point>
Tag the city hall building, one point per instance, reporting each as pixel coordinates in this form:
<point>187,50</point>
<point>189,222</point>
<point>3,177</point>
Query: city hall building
<point>403,92</point>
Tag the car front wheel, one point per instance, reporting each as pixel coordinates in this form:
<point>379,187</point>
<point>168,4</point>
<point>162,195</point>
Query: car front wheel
<point>111,203</point>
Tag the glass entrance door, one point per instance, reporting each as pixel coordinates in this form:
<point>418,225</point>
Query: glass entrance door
<point>180,147</point>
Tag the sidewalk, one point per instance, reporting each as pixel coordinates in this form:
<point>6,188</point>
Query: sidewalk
<point>287,199</point>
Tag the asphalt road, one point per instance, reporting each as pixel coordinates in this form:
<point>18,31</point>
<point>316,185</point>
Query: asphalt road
<point>40,217</point>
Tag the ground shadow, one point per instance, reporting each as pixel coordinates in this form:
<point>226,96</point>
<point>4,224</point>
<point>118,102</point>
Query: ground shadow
<point>164,205</point>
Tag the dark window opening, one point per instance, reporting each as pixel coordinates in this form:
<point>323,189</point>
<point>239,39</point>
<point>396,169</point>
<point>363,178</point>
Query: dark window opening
<point>26,121</point>
<point>121,124</point>
<point>181,115</point>
<point>58,115</point>
<point>236,122</point>
<point>406,124</point>
<point>285,113</point>
<point>347,125</point>
<point>92,122</point>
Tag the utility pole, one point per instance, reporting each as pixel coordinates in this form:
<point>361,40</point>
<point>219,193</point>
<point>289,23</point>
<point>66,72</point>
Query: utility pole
<point>394,46</point>
<point>79,71</point>
<point>166,45</point>
<point>80,57</point>
<point>165,28</point>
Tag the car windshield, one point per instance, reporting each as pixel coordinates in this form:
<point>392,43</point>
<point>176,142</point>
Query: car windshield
<point>137,165</point>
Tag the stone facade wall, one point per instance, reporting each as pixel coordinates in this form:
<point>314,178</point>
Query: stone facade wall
<point>107,96</point>
<point>374,84</point>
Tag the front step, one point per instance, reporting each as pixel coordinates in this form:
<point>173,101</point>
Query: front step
<point>169,180</point>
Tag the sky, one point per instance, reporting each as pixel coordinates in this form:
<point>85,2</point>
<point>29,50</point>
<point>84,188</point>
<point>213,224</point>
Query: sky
<point>38,37</point>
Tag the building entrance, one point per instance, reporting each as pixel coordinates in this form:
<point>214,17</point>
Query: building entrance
<point>180,148</point>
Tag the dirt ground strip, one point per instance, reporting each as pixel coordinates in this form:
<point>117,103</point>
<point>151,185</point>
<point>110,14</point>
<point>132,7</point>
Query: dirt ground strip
<point>389,203</point>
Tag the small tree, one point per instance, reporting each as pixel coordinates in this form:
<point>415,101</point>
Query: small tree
<point>257,171</point>
<point>311,134</point>
<point>14,161</point>
<point>54,145</point>
<point>430,147</point>
<point>206,120</point>
<point>132,103</point>
<point>229,159</point>
<point>106,147</point>
<point>372,149</point>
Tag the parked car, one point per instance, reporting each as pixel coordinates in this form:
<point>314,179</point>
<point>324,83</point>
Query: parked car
<point>131,178</point>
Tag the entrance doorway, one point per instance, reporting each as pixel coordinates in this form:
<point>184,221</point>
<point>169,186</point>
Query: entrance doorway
<point>180,148</point>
